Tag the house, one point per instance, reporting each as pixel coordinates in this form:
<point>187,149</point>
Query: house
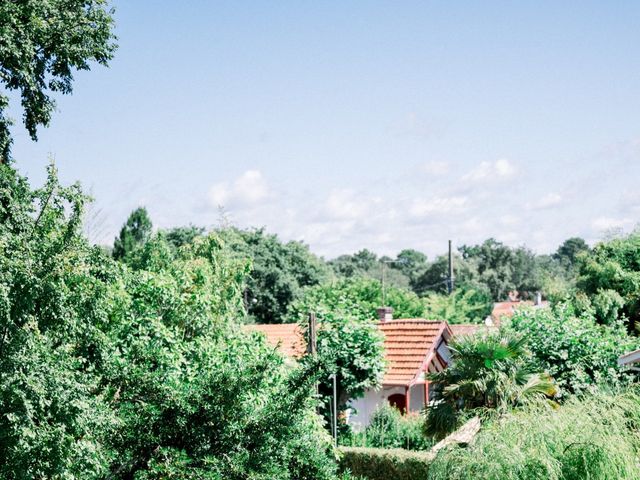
<point>412,347</point>
<point>630,359</point>
<point>507,309</point>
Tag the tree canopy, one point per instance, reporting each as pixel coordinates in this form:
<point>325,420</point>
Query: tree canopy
<point>133,234</point>
<point>138,370</point>
<point>42,43</point>
<point>279,271</point>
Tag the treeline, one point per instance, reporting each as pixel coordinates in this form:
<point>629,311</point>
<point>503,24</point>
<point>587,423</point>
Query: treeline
<point>137,368</point>
<point>282,272</point>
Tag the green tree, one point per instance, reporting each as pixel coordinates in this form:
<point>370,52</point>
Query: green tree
<point>503,269</point>
<point>352,349</point>
<point>567,253</point>
<point>613,267</point>
<point>410,262</point>
<point>54,293</point>
<point>180,236</point>
<point>137,370</point>
<point>464,305</point>
<point>42,43</point>
<point>574,348</point>
<point>360,297</point>
<point>435,278</point>
<point>279,271</point>
<point>133,234</point>
<point>366,264</point>
<point>491,372</point>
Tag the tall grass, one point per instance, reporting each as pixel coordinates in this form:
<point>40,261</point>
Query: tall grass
<point>595,437</point>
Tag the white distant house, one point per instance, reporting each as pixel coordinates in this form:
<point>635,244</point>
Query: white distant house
<point>412,348</point>
<point>630,360</point>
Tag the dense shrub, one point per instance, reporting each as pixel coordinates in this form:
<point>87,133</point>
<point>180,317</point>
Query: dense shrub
<point>613,267</point>
<point>464,305</point>
<point>596,437</point>
<point>385,464</point>
<point>388,428</point>
<point>488,373</point>
<point>575,350</point>
<point>137,370</point>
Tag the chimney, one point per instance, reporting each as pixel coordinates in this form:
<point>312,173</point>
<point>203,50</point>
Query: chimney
<point>385,314</point>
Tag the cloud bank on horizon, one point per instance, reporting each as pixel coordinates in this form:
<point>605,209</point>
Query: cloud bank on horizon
<point>437,201</point>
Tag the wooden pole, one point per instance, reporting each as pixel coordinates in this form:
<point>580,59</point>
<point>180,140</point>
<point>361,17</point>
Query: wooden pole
<point>426,394</point>
<point>407,399</point>
<point>312,345</point>
<point>450,283</point>
<point>335,411</point>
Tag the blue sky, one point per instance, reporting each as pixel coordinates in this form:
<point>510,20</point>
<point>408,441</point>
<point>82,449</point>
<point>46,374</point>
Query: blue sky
<point>383,125</point>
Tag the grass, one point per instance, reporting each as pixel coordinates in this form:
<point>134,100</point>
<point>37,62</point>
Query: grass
<point>595,437</point>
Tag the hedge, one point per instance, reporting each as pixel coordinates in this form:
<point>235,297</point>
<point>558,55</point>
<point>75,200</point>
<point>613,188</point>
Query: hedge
<point>385,464</point>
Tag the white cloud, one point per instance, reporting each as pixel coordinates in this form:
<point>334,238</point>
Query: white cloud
<point>435,168</point>
<point>486,171</point>
<point>509,220</point>
<point>435,206</point>
<point>248,189</point>
<point>602,224</point>
<point>346,204</point>
<point>548,201</point>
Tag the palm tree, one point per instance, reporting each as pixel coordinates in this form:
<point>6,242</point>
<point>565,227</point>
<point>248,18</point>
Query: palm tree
<point>488,372</point>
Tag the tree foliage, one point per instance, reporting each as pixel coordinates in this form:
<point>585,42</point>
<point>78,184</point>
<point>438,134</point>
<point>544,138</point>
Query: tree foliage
<point>486,372</point>
<point>502,268</point>
<point>42,43</point>
<point>366,264</point>
<point>350,348</point>
<point>279,271</point>
<point>575,349</point>
<point>360,297</point>
<point>133,234</point>
<point>613,267</point>
<point>464,305</point>
<point>137,370</point>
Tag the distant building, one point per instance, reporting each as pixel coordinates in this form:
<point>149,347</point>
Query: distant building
<point>508,308</point>
<point>413,348</point>
<point>630,359</point>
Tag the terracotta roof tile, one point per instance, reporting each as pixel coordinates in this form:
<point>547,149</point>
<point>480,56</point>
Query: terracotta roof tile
<point>287,336</point>
<point>407,344</point>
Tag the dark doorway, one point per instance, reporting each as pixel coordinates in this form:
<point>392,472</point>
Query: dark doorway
<point>399,401</point>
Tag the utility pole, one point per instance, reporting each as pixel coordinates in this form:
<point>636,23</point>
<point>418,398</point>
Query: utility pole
<point>450,282</point>
<point>335,410</point>
<point>312,346</point>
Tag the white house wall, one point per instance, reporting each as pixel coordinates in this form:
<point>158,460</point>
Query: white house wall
<point>363,408</point>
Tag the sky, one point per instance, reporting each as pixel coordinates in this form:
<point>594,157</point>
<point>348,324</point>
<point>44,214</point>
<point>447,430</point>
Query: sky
<point>350,125</point>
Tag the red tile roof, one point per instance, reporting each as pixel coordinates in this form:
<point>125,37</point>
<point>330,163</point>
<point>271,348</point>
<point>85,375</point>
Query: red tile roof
<point>465,329</point>
<point>286,336</point>
<point>409,345</point>
<point>507,309</point>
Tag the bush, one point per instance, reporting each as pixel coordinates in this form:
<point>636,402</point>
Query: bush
<point>385,464</point>
<point>138,370</point>
<point>574,349</point>
<point>388,428</point>
<point>595,437</point>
